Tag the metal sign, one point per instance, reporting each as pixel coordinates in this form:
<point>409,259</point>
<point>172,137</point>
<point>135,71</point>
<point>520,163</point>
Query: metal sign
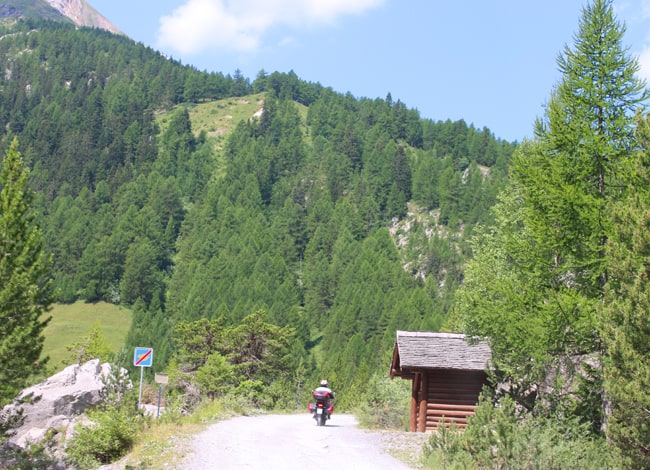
<point>143,357</point>
<point>161,378</point>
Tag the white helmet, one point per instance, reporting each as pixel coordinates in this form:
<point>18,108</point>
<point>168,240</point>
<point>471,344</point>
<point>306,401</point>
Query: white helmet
<point>323,383</point>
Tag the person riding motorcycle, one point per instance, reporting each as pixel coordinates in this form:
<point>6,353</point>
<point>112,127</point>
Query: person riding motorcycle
<point>323,396</point>
<point>324,387</point>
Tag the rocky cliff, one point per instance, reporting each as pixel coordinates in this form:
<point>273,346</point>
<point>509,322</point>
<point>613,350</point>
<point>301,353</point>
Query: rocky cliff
<point>79,12</point>
<point>83,14</point>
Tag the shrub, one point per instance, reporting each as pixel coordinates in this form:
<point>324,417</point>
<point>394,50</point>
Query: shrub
<point>496,437</point>
<point>111,435</point>
<point>216,377</point>
<point>34,457</point>
<point>385,404</point>
<point>253,392</point>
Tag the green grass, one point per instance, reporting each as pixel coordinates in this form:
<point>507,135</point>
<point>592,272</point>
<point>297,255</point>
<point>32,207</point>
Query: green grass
<point>218,118</point>
<point>72,322</point>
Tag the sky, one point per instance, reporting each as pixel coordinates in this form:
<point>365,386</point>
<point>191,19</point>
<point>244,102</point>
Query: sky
<point>490,63</point>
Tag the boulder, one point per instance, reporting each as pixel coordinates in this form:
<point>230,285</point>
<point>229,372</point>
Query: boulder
<point>59,399</point>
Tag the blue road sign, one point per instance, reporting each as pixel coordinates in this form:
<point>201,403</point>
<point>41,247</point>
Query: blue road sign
<point>143,357</point>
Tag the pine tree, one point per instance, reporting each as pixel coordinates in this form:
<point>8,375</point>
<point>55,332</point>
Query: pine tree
<point>25,284</point>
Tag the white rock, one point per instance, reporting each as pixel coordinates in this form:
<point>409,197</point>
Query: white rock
<point>60,398</point>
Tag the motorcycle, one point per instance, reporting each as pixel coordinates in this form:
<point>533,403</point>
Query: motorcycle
<point>323,408</point>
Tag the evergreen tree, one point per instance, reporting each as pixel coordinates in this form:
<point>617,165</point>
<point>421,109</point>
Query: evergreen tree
<point>567,180</point>
<point>624,317</point>
<point>25,285</point>
<point>545,287</point>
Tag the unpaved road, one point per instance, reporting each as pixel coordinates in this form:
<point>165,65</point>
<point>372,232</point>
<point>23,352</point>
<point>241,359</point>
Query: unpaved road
<point>289,442</point>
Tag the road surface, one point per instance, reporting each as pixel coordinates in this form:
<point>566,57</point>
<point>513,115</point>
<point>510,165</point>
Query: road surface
<point>288,442</point>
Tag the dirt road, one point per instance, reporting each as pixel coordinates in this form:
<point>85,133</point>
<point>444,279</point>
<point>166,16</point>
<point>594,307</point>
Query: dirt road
<point>289,442</point>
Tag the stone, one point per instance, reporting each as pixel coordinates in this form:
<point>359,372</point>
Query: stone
<point>56,401</point>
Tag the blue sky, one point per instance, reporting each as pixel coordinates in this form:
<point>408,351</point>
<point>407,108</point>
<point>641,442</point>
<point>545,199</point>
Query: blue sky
<point>491,63</point>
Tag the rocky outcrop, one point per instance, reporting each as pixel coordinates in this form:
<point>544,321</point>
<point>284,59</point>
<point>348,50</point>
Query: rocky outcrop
<point>83,14</point>
<point>57,401</point>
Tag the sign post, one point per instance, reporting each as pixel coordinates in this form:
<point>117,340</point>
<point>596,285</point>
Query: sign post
<point>161,379</point>
<point>142,357</point>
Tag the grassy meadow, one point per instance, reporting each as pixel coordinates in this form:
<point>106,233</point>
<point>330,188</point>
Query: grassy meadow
<point>71,323</point>
<point>218,118</point>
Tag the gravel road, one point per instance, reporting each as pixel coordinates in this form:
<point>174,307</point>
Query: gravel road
<point>290,442</point>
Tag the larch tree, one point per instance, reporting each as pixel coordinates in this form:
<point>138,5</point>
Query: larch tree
<point>625,315</point>
<point>577,167</point>
<point>25,283</point>
<point>562,183</point>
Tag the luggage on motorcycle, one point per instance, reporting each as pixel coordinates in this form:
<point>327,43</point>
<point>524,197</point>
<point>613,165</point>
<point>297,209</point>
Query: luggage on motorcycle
<point>321,395</point>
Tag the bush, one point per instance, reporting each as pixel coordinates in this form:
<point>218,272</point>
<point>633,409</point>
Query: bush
<point>34,457</point>
<point>111,435</point>
<point>216,377</point>
<point>385,404</point>
<point>253,392</point>
<point>497,438</point>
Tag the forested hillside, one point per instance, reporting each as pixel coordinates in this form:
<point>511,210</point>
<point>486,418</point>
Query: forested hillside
<point>341,217</point>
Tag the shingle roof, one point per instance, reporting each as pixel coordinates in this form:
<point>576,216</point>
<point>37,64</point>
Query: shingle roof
<point>418,349</point>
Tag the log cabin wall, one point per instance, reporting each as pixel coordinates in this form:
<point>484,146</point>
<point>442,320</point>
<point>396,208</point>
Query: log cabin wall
<point>452,394</point>
<point>447,373</point>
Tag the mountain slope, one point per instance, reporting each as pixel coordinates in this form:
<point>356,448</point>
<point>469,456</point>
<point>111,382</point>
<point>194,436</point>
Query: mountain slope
<point>158,191</point>
<point>33,9</point>
<point>83,14</point>
<point>78,12</point>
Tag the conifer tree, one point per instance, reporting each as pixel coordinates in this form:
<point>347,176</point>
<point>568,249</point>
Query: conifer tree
<point>552,277</point>
<point>624,317</point>
<point>566,180</point>
<point>25,285</point>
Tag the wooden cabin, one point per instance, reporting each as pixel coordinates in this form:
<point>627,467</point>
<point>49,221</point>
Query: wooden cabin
<point>448,374</point>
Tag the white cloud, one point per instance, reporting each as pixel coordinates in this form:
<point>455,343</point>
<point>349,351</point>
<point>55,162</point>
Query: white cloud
<point>644,64</point>
<point>240,25</point>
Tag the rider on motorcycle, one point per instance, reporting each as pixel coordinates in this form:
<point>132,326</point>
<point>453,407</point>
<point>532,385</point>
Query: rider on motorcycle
<point>322,409</point>
<point>325,389</point>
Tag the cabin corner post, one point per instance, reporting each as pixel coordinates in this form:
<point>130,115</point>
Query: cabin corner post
<point>415,386</point>
<point>422,402</point>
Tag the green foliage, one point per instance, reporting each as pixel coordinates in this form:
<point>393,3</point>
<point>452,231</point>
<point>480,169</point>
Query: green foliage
<point>32,457</point>
<point>493,302</point>
<point>538,276</point>
<point>624,317</point>
<point>196,341</point>
<point>253,392</point>
<point>385,403</point>
<point>111,435</point>
<point>445,449</point>
<point>141,278</point>
<point>259,350</point>
<point>496,437</point>
<point>216,377</point>
<point>252,360</point>
<point>74,321</point>
<point>158,189</point>
<point>25,282</point>
<point>90,347</point>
